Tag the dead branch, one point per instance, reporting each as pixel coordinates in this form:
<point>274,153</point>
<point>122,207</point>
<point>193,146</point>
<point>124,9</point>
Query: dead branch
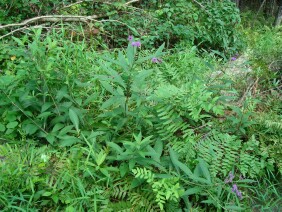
<point>202,7</point>
<point>12,32</point>
<point>52,18</point>
<point>130,2</point>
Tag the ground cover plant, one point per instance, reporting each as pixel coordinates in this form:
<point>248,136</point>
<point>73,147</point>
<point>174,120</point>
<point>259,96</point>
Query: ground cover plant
<point>172,112</point>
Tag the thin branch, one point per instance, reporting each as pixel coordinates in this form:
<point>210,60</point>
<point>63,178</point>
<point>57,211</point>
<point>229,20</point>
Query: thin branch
<point>130,2</point>
<point>52,18</point>
<point>198,3</point>
<point>75,3</point>
<point>10,33</point>
<point>202,6</point>
<point>25,113</point>
<point>261,6</point>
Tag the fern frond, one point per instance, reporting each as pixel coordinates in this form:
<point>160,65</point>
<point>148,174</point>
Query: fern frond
<point>144,174</point>
<point>122,206</point>
<point>119,192</point>
<point>143,200</point>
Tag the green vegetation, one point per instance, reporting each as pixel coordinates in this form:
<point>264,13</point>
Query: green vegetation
<point>154,106</point>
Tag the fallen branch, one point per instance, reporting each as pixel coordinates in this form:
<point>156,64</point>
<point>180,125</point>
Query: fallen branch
<point>130,2</point>
<point>52,18</point>
<point>12,32</point>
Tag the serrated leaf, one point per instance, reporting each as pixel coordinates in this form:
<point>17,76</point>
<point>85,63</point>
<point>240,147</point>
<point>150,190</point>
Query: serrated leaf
<point>116,147</point>
<point>107,86</point>
<point>20,43</point>
<point>74,119</point>
<point>46,106</point>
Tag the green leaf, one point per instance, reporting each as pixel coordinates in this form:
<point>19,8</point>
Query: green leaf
<point>204,169</point>
<point>57,127</point>
<point>136,182</point>
<point>123,168</point>
<point>100,158</point>
<point>123,61</point>
<point>109,102</point>
<point>130,53</point>
<point>12,125</point>
<point>74,119</point>
<point>234,208</point>
<point>46,106</point>
<point>116,147</point>
<point>159,147</point>
<point>160,49</point>
<point>44,115</point>
<point>30,128</point>
<point>47,194</point>
<point>68,141</point>
<point>20,43</point>
<point>114,75</point>
<point>178,164</point>
<point>191,191</point>
<point>107,86</point>
<point>157,54</point>
<point>70,209</point>
<point>91,98</point>
<point>50,138</point>
<point>131,164</point>
<point>2,127</point>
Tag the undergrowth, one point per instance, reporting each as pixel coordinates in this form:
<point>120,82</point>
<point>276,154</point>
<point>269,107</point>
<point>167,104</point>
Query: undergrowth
<point>136,129</point>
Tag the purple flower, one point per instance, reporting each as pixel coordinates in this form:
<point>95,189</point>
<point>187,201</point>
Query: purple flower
<point>230,178</point>
<point>239,194</point>
<point>235,190</point>
<point>137,43</point>
<point>156,60</point>
<point>233,58</point>
<point>130,38</point>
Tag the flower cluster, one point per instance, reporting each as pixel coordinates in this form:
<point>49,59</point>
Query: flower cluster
<point>138,44</point>
<point>133,43</point>
<point>235,57</point>
<point>156,60</point>
<point>236,191</point>
<point>230,178</point>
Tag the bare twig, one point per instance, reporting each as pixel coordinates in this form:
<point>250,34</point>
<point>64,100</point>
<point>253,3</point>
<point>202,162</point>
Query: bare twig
<point>130,2</point>
<point>24,28</point>
<point>249,89</point>
<point>202,6</point>
<point>198,3</point>
<point>261,6</point>
<point>52,18</point>
<point>10,33</point>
